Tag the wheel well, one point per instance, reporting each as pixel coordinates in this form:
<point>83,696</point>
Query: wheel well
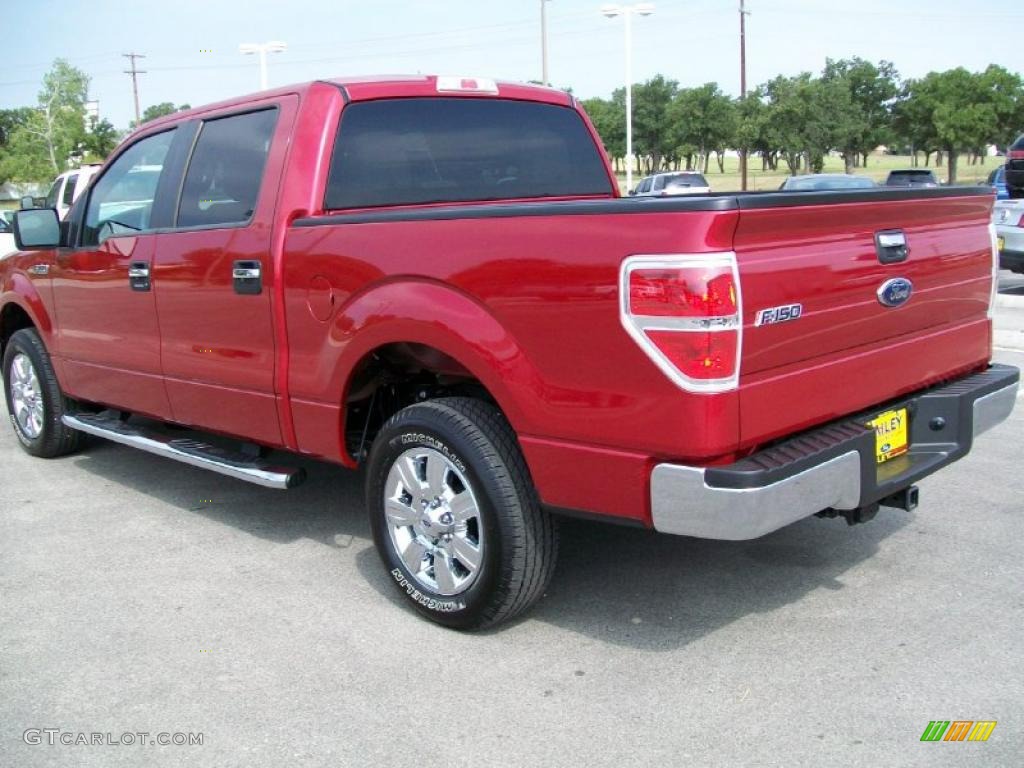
<point>397,375</point>
<point>12,318</point>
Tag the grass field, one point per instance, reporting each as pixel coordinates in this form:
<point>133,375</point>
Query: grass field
<point>878,168</point>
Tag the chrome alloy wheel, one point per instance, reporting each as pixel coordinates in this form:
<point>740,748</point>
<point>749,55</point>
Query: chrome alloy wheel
<point>26,396</point>
<point>434,521</point>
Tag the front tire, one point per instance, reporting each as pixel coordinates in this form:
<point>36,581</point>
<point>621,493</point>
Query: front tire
<point>455,516</point>
<point>35,401</point>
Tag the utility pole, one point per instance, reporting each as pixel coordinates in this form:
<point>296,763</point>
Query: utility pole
<point>135,81</point>
<point>743,85</point>
<point>544,42</point>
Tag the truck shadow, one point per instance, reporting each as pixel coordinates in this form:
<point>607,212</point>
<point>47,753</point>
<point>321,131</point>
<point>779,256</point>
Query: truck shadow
<point>614,584</point>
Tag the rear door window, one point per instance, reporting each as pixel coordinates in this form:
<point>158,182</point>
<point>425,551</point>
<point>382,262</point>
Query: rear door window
<point>435,150</point>
<point>222,183</point>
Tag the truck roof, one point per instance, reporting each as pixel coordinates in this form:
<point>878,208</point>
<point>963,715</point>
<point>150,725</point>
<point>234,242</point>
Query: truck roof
<point>367,87</point>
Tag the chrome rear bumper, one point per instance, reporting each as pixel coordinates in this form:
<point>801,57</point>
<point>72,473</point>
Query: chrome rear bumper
<point>829,468</point>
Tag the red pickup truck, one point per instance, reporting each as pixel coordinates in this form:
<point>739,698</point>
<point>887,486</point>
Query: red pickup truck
<point>437,280</point>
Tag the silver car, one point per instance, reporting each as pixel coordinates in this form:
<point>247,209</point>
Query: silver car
<point>669,184</point>
<point>1008,216</point>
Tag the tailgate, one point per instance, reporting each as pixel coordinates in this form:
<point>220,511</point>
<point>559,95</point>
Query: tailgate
<point>847,351</point>
<point>824,257</point>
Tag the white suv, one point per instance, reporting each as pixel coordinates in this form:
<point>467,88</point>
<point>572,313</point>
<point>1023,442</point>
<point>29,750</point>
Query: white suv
<point>675,183</point>
<point>67,187</point>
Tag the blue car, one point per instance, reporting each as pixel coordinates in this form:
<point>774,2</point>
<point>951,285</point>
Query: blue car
<point>997,180</point>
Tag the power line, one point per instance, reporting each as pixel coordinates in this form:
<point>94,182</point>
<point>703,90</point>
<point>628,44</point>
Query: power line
<point>135,81</point>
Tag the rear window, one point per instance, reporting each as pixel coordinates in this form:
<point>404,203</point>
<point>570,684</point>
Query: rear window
<point>436,150</point>
<point>1018,145</point>
<point>686,180</point>
<point>911,174</point>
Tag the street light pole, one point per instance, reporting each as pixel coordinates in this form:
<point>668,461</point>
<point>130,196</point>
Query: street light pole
<point>627,11</point>
<point>262,49</point>
<point>544,42</point>
<point>743,86</point>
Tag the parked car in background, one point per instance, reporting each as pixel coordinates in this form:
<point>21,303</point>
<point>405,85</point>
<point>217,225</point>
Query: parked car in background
<point>669,184</point>
<point>6,235</point>
<point>819,182</point>
<point>1008,216</point>
<point>911,177</point>
<point>1015,169</point>
<point>67,187</point>
<point>997,180</point>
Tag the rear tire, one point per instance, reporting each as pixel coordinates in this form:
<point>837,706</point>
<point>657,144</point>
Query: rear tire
<point>35,401</point>
<point>455,517</point>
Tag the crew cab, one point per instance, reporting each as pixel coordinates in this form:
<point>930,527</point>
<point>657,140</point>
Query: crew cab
<point>436,279</point>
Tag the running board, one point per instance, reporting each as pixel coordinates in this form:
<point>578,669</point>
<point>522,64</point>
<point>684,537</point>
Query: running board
<point>187,451</point>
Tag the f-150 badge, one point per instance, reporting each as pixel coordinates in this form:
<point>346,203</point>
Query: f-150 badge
<point>782,314</point>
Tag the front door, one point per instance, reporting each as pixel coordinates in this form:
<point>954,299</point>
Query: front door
<point>107,332</point>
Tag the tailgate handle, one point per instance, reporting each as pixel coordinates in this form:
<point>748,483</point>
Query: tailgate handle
<point>891,246</point>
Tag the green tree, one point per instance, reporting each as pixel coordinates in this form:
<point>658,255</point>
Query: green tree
<point>101,139</point>
<point>956,114</point>
<point>154,111</point>
<point>872,91</point>
<point>704,118</point>
<point>59,123</point>
<point>1004,92</point>
<point>652,130</point>
<point>44,139</point>
<point>609,119</point>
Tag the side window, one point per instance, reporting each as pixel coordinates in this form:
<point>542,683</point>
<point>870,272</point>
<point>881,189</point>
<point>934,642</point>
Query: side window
<point>659,183</point>
<point>222,183</point>
<point>69,190</point>
<point>122,198</point>
<point>54,194</point>
<point>645,185</point>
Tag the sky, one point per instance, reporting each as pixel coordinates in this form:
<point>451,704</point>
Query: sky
<point>191,46</point>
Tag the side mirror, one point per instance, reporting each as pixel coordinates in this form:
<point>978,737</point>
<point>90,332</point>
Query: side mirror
<point>37,228</point>
<point>27,203</point>
<point>632,193</point>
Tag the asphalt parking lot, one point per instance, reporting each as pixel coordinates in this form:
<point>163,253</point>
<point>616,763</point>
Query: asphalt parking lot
<point>139,595</point>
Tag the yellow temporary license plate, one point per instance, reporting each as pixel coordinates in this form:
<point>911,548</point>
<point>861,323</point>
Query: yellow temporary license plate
<point>890,434</point>
<point>1001,243</point>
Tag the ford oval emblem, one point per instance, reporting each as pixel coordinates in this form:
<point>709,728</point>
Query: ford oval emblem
<point>894,292</point>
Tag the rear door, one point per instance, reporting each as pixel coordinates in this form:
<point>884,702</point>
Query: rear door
<point>213,275</point>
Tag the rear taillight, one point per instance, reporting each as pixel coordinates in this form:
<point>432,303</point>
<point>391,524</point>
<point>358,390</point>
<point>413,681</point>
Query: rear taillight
<point>685,312</point>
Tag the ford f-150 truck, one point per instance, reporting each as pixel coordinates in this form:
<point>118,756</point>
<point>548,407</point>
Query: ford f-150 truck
<point>436,280</point>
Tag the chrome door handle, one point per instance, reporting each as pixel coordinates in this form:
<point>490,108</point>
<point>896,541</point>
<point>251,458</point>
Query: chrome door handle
<point>138,276</point>
<point>247,276</point>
